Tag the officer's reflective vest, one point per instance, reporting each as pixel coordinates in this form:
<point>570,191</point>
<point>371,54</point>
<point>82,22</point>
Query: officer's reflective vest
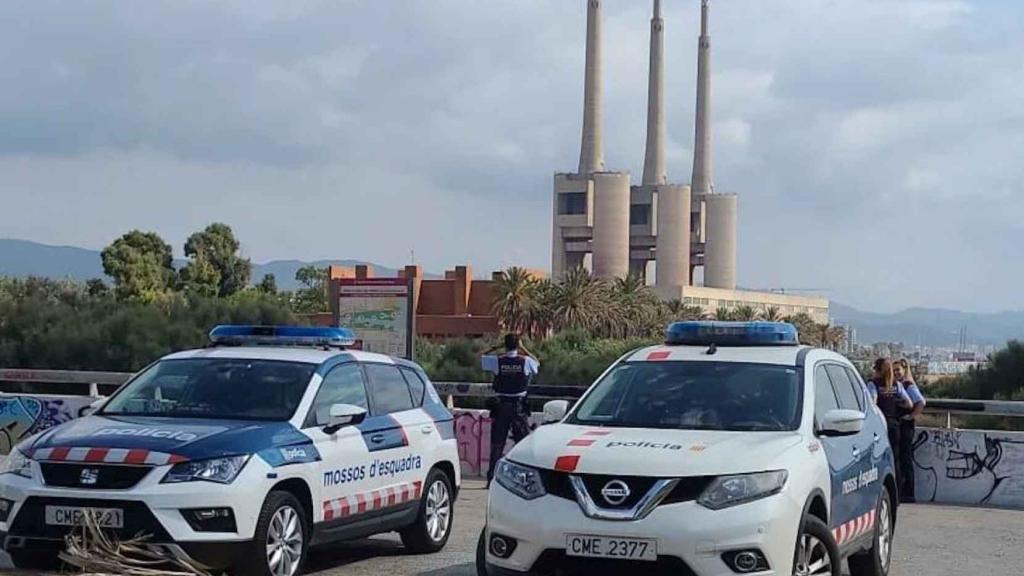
<point>511,377</point>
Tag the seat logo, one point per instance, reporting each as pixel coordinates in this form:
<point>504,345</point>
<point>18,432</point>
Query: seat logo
<point>615,492</point>
<point>89,476</point>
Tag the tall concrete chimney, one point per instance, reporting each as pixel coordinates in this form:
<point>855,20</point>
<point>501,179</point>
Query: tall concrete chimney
<point>592,151</point>
<point>654,162</point>
<point>701,183</point>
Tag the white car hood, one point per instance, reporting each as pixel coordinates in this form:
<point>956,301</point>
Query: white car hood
<point>652,452</point>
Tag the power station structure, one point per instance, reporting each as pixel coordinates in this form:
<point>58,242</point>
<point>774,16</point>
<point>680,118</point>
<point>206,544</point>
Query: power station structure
<point>602,222</point>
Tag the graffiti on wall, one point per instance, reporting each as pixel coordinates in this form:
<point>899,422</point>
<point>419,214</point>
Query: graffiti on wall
<point>969,467</point>
<point>473,432</point>
<point>23,416</point>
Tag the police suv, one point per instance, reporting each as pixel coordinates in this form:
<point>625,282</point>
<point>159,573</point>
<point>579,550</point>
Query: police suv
<point>243,455</point>
<point>728,450</point>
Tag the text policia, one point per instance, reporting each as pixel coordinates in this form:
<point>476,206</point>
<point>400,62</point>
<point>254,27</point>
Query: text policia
<point>382,468</point>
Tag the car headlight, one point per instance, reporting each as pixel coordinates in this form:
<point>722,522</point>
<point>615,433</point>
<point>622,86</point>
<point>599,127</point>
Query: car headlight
<point>520,480</point>
<point>17,463</point>
<point>726,491</point>
<point>220,470</point>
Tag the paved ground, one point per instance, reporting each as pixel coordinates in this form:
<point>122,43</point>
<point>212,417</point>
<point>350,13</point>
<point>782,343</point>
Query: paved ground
<point>931,541</point>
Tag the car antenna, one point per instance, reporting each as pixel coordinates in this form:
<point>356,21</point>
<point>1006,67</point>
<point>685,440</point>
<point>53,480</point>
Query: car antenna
<point>712,349</point>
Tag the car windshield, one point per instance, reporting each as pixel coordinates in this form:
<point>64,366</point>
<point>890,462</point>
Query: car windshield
<point>236,389</point>
<point>694,396</point>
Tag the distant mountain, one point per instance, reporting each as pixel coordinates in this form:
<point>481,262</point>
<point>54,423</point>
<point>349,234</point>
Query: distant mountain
<point>931,326</point>
<point>21,258</point>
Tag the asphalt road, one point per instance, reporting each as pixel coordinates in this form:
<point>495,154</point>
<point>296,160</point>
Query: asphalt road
<point>930,541</point>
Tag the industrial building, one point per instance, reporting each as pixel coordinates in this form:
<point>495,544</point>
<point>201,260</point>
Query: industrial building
<point>613,228</point>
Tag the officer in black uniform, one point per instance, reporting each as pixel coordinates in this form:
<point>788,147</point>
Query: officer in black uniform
<point>512,374</point>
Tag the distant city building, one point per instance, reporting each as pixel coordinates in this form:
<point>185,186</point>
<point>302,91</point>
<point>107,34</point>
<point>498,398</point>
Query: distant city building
<point>613,228</point>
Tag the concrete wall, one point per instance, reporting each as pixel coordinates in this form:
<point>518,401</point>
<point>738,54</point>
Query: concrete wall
<point>720,254</point>
<point>969,467</point>
<point>673,244</point>
<point>22,416</point>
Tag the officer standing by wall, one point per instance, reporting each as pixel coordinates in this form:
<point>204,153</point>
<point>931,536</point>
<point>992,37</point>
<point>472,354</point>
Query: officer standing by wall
<point>512,374</point>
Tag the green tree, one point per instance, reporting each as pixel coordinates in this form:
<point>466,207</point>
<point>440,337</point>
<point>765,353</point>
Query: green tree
<point>141,265</point>
<point>200,277</point>
<point>745,313</point>
<point>579,301</point>
<point>723,314</point>
<point>772,314</point>
<point>268,284</point>
<point>806,328</point>
<point>312,297</point>
<point>515,298</point>
<point>676,310</point>
<point>217,245</point>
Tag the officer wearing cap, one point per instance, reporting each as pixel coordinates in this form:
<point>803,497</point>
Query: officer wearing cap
<point>512,374</point>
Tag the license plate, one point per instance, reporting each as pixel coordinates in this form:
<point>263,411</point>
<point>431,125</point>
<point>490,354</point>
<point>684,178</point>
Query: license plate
<point>611,547</point>
<point>74,516</point>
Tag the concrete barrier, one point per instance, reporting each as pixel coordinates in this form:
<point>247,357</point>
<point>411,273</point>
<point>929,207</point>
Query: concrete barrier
<point>969,467</point>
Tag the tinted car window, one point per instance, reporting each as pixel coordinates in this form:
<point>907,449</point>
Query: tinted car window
<point>694,396</point>
<point>342,385</point>
<point>416,386</point>
<point>389,390</point>
<point>849,399</point>
<point>824,395</point>
<point>228,388</point>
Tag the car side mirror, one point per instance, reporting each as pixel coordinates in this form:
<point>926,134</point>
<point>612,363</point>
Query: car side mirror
<point>555,410</point>
<point>342,415</point>
<point>842,423</point>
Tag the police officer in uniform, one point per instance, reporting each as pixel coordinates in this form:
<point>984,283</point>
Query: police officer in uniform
<point>512,374</point>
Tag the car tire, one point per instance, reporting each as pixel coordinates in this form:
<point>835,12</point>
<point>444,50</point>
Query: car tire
<point>433,525</point>
<point>481,554</point>
<point>35,560</point>
<point>816,551</point>
<point>876,560</point>
<point>282,522</point>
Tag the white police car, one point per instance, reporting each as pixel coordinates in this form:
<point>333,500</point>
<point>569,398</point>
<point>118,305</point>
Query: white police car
<point>244,454</point>
<point>728,450</point>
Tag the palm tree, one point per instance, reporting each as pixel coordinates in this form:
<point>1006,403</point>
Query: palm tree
<point>637,309</point>
<point>829,336</point>
<point>676,310</point>
<point>515,294</point>
<point>806,328</point>
<point>722,314</point>
<point>579,301</point>
<point>744,313</point>
<point>771,314</point>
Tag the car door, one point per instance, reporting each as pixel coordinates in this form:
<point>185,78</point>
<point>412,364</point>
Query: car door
<point>343,480</point>
<point>424,437</point>
<point>396,464</point>
<point>840,451</point>
<point>860,490</point>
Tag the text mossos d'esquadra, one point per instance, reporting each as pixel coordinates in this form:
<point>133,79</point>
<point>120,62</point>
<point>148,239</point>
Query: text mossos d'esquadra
<point>378,468</point>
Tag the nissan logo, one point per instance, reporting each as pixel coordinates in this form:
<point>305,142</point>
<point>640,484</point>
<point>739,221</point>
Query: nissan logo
<point>89,476</point>
<point>615,492</point>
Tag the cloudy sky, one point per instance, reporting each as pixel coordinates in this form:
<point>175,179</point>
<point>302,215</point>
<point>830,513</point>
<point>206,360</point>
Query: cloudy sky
<point>877,145</point>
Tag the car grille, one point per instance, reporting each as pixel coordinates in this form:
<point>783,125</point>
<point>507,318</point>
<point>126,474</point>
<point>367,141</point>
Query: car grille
<point>557,562</point>
<point>138,520</point>
<point>105,477</point>
<point>687,490</point>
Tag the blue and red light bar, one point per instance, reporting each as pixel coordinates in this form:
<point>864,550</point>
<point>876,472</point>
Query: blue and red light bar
<point>706,333</point>
<point>231,335</point>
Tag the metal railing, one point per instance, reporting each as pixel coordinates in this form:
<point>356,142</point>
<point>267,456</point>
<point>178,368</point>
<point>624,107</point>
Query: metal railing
<point>89,383</point>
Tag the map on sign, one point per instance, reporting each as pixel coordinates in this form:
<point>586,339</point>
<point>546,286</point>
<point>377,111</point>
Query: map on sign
<point>378,310</point>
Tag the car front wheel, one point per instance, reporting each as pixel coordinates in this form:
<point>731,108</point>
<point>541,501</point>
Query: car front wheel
<point>816,550</point>
<point>281,539</point>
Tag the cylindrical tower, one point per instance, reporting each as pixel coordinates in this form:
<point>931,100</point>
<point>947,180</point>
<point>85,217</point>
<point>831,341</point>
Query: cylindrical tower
<point>592,150</point>
<point>673,247</point>
<point>720,253</point>
<point>654,161</point>
<point>611,225</point>
<point>701,182</point>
